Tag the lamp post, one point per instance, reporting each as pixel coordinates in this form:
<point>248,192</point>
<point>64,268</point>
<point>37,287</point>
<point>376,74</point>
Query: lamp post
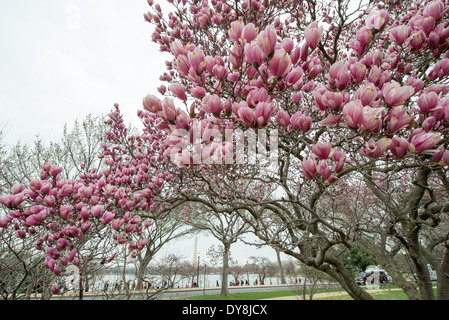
<point>204,284</point>
<point>198,273</point>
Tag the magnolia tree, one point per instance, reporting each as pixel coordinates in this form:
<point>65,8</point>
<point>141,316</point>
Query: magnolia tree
<point>23,272</point>
<point>63,217</point>
<point>284,109</point>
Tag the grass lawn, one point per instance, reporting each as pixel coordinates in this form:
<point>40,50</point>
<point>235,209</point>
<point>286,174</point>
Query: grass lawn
<point>384,295</point>
<point>255,295</point>
<point>245,295</point>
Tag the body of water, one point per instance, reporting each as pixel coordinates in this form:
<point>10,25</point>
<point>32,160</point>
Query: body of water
<point>116,282</point>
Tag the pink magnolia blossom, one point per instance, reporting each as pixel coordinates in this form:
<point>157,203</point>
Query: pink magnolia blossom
<point>263,112</point>
<point>440,69</point>
<point>55,289</point>
<point>96,210</point>
<point>399,147</point>
<point>4,221</point>
<point>70,255</point>
<point>197,60</point>
<point>249,33</point>
<point>177,48</point>
<point>182,119</point>
<point>352,113</point>
<point>445,108</point>
<point>107,217</point>
<point>65,211</point>
<point>324,170</point>
<point>254,54</point>
<point>197,92</point>
<point>235,32</point>
<point>295,75</point>
<point>418,39</point>
<point>364,35</point>
<point>428,123</point>
<point>340,159</point>
<point>355,45</point>
<point>398,118</point>
<point>141,243</point>
<point>358,71</point>
<point>428,102</point>
<point>330,120</point>
<point>400,34</point>
<point>378,19</point>
<point>326,99</point>
<point>372,119</point>
<point>309,168</point>
<point>85,226</point>
<point>313,34</point>
<point>280,64</point>
<point>152,103</point>
<point>7,200</point>
<point>301,121</point>
<point>434,9</point>
<point>219,71</point>
<point>17,188</point>
<point>266,40</point>
<point>169,109</point>
<point>444,161</point>
<point>366,94</point>
<point>246,114</point>
<point>339,75</point>
<point>178,91</point>
<point>395,94</point>
<point>49,201</point>
<point>374,149</point>
<point>283,119</point>
<point>62,243</point>
<point>423,142</point>
<point>32,220</point>
<point>322,150</point>
<point>287,44</point>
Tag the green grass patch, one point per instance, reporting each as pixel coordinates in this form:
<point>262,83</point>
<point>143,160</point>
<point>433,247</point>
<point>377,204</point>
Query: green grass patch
<point>245,295</point>
<point>256,295</point>
<point>386,294</point>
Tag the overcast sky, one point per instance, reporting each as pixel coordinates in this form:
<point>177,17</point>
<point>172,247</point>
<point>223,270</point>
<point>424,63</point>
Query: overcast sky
<point>61,60</point>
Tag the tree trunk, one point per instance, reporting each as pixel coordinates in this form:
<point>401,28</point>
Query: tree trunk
<point>422,272</point>
<point>344,278</point>
<point>281,268</point>
<point>443,278</point>
<point>225,270</point>
<point>143,264</point>
<point>390,266</point>
<point>409,289</point>
<point>81,288</point>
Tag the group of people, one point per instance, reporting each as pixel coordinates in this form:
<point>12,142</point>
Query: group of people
<point>120,285</point>
<point>244,282</point>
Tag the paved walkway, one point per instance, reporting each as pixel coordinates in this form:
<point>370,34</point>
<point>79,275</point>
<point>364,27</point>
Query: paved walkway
<point>327,294</point>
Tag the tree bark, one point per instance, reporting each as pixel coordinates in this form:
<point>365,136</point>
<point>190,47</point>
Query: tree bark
<point>143,263</point>
<point>443,278</point>
<point>225,270</point>
<point>281,268</point>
